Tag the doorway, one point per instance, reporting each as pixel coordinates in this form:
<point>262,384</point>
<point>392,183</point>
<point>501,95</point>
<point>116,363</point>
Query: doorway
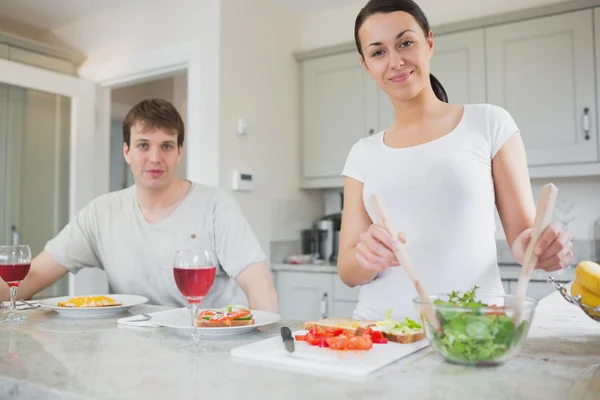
<point>171,88</point>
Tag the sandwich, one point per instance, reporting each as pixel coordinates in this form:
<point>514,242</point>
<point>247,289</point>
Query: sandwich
<point>229,316</point>
<point>407,331</point>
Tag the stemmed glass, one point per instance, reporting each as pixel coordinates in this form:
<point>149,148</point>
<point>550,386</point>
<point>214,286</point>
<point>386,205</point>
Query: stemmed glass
<point>15,261</point>
<point>194,273</point>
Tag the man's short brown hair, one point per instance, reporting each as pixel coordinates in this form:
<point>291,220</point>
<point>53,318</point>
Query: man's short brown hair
<point>154,114</point>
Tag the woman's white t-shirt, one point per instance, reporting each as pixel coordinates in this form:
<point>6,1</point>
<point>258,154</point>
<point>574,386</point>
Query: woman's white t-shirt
<point>441,195</point>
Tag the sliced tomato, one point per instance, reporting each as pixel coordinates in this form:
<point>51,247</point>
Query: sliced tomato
<point>339,342</point>
<point>300,338</point>
<point>500,310</point>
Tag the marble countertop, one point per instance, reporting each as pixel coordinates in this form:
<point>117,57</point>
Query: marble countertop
<point>50,357</point>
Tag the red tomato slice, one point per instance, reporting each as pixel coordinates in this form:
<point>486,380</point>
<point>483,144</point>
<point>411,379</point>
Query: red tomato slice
<point>300,338</point>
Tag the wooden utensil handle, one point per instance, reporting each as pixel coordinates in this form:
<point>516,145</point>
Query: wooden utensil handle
<point>383,218</point>
<point>543,218</point>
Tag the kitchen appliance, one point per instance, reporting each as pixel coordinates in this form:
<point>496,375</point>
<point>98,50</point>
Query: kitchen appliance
<point>324,238</point>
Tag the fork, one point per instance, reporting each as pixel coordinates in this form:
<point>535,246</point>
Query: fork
<point>147,317</point>
<point>29,304</point>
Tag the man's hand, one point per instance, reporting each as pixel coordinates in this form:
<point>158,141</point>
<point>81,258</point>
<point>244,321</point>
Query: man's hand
<point>44,272</point>
<point>257,283</point>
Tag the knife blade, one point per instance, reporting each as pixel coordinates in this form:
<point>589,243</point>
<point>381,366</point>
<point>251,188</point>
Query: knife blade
<point>288,340</point>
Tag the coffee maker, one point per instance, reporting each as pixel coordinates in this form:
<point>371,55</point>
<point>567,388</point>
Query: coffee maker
<point>323,239</point>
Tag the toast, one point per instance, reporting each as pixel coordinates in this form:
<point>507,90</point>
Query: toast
<point>225,324</point>
<point>358,327</point>
<point>352,326</point>
<point>404,338</point>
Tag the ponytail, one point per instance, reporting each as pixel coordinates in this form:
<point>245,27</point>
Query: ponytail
<point>438,89</point>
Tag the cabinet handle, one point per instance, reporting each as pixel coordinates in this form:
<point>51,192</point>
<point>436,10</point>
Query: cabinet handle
<point>371,131</point>
<point>586,123</point>
<point>324,306</point>
<point>15,235</point>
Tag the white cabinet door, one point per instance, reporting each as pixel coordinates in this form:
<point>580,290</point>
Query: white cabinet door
<point>508,289</point>
<point>339,102</point>
<point>343,309</point>
<point>542,72</point>
<point>459,64</point>
<point>304,296</point>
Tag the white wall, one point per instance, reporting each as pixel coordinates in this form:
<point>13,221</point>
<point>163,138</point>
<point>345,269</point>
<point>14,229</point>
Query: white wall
<point>336,26</point>
<point>259,82</point>
<point>247,70</point>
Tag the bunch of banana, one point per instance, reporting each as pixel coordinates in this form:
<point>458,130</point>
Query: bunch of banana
<point>587,284</point>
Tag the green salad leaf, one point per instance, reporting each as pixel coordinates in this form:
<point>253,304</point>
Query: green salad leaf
<point>389,325</point>
<point>473,336</point>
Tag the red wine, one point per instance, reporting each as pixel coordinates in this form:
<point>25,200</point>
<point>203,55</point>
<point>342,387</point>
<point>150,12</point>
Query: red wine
<point>13,274</point>
<point>195,283</point>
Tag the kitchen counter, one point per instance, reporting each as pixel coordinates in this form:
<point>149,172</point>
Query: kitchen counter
<point>507,271</point>
<point>319,268</point>
<point>50,358</point>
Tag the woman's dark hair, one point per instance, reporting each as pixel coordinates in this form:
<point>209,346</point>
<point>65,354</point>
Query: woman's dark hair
<point>389,6</point>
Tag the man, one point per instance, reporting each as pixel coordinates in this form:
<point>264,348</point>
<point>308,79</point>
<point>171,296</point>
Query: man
<point>133,234</point>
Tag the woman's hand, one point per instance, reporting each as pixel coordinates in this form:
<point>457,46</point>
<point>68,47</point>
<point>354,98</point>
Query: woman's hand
<point>554,248</point>
<point>375,249</point>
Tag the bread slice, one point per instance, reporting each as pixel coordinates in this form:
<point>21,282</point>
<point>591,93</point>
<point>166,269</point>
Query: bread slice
<point>225,324</point>
<point>352,326</point>
<point>358,327</point>
<point>404,339</point>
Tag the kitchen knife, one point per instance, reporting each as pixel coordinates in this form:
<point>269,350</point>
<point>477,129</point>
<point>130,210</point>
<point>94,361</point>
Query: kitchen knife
<point>288,340</point>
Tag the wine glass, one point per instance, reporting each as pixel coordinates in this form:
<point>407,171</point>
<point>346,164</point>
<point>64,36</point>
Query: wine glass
<point>194,273</point>
<point>15,261</point>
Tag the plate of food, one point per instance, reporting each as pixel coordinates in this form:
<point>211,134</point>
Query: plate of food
<point>92,306</point>
<point>231,320</point>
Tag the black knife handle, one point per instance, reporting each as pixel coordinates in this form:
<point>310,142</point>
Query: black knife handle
<point>286,333</point>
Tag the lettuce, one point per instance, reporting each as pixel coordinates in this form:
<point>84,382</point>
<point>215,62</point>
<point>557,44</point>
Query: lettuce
<point>391,326</point>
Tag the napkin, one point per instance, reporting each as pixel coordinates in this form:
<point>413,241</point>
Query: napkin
<point>138,321</point>
<point>20,305</point>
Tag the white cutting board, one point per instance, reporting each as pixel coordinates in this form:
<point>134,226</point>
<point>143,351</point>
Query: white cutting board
<point>314,359</point>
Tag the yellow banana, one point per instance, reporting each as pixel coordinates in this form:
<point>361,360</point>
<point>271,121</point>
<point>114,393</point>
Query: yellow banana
<point>588,298</point>
<point>587,274</point>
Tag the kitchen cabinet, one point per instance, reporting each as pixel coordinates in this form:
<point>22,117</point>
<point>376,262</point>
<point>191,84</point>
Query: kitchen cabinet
<point>338,108</point>
<point>459,65</point>
<point>308,296</point>
<point>535,289</point>
<point>304,296</point>
<point>542,72</point>
<point>313,295</point>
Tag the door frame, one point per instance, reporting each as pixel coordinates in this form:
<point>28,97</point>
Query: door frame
<point>202,101</point>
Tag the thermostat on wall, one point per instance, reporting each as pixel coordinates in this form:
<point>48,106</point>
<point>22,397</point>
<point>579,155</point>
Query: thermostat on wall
<point>242,181</point>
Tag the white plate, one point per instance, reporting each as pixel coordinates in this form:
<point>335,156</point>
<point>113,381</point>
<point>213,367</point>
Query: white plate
<point>128,301</point>
<point>180,319</point>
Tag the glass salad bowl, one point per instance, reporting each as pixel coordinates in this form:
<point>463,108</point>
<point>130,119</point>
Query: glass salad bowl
<point>476,329</point>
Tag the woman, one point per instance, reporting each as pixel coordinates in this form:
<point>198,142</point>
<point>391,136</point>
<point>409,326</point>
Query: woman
<point>440,169</point>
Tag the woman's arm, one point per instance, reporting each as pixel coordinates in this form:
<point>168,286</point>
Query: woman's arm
<point>364,247</point>
<point>516,209</point>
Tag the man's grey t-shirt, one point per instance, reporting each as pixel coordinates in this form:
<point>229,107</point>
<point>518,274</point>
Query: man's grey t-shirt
<point>111,233</point>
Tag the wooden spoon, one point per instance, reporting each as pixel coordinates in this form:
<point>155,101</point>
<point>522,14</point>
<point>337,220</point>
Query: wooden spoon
<point>401,254</point>
<point>543,217</point>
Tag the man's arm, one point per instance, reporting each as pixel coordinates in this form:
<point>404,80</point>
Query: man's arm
<point>257,283</point>
<point>44,272</point>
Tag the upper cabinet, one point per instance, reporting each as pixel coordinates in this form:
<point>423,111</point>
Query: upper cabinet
<point>339,107</point>
<point>542,72</point>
